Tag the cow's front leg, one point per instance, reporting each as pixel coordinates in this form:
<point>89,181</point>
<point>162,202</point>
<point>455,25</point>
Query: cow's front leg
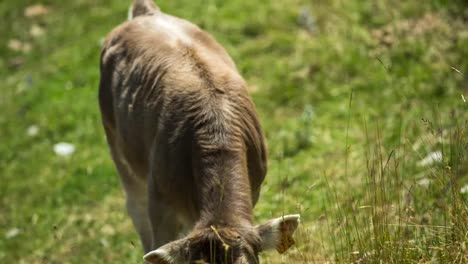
<point>137,207</point>
<point>136,193</point>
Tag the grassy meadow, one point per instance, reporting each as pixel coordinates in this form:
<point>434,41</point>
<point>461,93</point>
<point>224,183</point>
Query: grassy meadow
<point>363,104</point>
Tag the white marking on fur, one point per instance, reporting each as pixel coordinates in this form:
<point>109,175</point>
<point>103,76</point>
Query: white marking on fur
<point>276,222</point>
<point>171,29</point>
<point>243,259</point>
<point>161,253</point>
<point>110,50</point>
<point>270,239</point>
<point>296,217</point>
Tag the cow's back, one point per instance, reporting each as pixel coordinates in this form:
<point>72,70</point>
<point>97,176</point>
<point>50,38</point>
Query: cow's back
<point>161,78</point>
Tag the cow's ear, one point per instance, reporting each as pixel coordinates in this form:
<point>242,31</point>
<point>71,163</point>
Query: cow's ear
<point>277,233</point>
<point>171,253</point>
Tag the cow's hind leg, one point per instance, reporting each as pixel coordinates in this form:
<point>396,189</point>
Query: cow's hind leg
<point>137,203</point>
<point>136,194</point>
<point>137,207</point>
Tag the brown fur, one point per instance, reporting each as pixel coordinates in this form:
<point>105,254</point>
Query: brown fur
<point>182,130</point>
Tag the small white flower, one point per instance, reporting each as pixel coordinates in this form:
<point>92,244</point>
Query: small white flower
<point>424,182</point>
<point>431,158</point>
<point>64,149</point>
<point>104,242</point>
<point>12,233</point>
<point>32,130</point>
<point>464,189</point>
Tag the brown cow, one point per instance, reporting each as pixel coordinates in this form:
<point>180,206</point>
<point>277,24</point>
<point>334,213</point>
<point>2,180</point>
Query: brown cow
<point>187,143</point>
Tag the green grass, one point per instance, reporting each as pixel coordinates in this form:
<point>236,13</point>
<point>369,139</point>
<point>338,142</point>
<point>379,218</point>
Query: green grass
<point>351,95</point>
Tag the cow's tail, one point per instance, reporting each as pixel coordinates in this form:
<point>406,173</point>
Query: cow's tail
<point>142,8</point>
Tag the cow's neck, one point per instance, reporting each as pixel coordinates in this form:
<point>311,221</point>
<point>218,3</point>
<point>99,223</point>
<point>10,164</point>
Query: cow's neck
<point>224,190</point>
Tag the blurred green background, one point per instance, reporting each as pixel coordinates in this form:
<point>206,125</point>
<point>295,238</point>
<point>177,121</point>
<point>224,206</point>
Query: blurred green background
<point>340,86</point>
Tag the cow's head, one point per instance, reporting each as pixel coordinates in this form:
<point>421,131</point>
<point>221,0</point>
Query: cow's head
<point>227,245</point>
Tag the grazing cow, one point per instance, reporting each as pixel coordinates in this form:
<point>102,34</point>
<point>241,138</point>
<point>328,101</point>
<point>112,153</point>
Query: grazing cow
<point>187,143</point>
